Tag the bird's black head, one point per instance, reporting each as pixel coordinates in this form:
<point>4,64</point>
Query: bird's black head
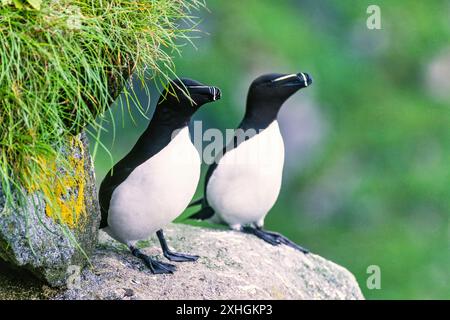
<point>188,95</point>
<point>268,92</point>
<point>182,98</point>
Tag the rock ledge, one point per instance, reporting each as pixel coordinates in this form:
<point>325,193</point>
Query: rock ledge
<point>232,266</point>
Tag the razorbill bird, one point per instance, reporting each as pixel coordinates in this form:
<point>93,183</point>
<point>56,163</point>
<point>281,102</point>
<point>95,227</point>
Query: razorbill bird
<point>155,181</point>
<point>243,183</point>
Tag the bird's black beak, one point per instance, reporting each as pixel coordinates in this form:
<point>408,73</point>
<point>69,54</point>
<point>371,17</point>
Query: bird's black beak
<point>213,93</point>
<point>305,79</point>
<point>301,80</point>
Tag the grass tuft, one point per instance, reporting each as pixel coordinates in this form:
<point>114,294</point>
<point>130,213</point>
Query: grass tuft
<point>62,63</point>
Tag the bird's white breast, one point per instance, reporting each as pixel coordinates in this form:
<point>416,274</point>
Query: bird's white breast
<point>156,192</point>
<point>247,180</point>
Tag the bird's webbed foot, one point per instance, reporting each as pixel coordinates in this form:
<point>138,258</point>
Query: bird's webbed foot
<point>273,238</point>
<point>155,266</point>
<point>173,256</point>
<point>180,257</point>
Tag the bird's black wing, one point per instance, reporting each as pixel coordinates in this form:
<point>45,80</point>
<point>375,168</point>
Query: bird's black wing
<point>142,151</point>
<point>206,211</point>
<point>113,179</point>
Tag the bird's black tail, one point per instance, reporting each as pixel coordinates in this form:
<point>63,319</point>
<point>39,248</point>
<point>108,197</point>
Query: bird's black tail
<point>204,213</point>
<point>195,203</point>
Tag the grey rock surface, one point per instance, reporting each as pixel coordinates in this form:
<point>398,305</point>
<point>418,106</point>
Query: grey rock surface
<point>232,266</point>
<point>31,239</point>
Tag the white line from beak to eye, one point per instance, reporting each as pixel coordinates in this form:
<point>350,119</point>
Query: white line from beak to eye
<point>214,94</point>
<point>304,79</point>
<point>197,87</point>
<point>285,77</point>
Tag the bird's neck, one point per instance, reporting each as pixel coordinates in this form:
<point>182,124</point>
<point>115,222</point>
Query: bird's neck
<point>168,124</point>
<point>260,115</point>
<point>164,131</point>
<point>168,118</point>
<point>163,126</point>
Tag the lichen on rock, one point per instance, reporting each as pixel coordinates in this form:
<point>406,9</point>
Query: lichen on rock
<point>54,228</point>
<point>65,202</point>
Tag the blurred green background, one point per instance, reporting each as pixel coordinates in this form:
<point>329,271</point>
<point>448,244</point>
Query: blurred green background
<point>367,175</point>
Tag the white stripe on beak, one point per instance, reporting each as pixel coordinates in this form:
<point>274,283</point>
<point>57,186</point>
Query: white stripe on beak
<point>304,79</point>
<point>284,77</point>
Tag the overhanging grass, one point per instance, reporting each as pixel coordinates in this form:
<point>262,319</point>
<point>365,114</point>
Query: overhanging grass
<point>64,64</point>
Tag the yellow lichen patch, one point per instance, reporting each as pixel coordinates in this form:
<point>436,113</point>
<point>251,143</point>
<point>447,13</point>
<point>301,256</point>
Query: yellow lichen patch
<point>63,186</point>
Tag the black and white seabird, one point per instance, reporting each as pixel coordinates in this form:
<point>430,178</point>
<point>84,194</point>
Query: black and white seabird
<point>243,183</point>
<point>155,181</point>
